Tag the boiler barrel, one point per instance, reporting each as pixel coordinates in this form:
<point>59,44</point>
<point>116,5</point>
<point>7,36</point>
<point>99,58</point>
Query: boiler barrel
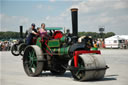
<point>61,51</point>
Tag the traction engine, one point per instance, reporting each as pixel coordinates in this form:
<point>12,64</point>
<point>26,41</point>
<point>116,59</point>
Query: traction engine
<point>59,52</point>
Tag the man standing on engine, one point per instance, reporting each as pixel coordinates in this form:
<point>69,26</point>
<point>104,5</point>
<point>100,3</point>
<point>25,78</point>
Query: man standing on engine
<point>32,32</point>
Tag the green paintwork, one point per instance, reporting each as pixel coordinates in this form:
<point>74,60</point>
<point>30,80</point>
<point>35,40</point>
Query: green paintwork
<point>54,43</point>
<point>93,48</point>
<point>32,61</point>
<point>64,51</point>
<point>61,51</point>
<point>53,28</point>
<point>62,40</point>
<point>38,43</point>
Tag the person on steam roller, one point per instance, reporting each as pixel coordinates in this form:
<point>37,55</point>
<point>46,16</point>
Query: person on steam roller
<point>42,30</point>
<point>32,32</point>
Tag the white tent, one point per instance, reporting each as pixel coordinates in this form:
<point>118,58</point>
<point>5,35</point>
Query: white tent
<point>123,36</point>
<point>114,42</point>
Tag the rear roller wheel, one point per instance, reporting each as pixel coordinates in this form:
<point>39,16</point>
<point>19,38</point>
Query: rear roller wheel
<point>33,60</point>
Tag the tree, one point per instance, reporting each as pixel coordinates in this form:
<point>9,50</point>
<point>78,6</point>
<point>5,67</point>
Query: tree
<point>96,35</point>
<point>9,34</point>
<point>109,34</point>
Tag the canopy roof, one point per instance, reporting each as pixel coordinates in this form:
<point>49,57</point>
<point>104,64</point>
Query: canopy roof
<point>116,37</point>
<point>53,28</point>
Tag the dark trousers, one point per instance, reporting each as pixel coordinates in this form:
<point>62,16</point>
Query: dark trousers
<point>29,40</point>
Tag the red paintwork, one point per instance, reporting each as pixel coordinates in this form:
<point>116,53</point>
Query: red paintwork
<point>34,40</point>
<point>49,49</point>
<point>77,53</point>
<point>57,34</point>
<point>45,43</point>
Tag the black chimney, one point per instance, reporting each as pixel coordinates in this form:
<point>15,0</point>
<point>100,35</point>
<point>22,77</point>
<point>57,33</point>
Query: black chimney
<point>74,22</point>
<point>21,32</point>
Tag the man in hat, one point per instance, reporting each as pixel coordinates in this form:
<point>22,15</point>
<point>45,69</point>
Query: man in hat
<point>32,32</point>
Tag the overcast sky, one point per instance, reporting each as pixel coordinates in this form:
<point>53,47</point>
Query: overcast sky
<point>92,14</point>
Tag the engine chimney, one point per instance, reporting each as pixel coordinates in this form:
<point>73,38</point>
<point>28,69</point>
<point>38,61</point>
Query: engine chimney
<point>74,21</point>
<point>21,32</point>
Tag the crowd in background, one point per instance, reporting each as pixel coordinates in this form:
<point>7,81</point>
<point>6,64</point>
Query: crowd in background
<point>98,44</point>
<point>101,44</point>
<point>6,45</point>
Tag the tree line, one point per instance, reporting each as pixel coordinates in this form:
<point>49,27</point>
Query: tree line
<point>95,35</point>
<point>9,34</point>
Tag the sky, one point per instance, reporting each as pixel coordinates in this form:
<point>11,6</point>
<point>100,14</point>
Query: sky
<point>92,14</point>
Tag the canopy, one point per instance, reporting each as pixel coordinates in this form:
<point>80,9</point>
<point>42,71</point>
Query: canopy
<point>53,28</point>
<point>116,37</point>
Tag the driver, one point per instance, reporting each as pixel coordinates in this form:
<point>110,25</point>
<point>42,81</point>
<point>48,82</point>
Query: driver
<point>32,32</point>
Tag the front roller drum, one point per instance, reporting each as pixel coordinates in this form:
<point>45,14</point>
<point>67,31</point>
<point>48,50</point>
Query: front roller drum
<point>33,60</point>
<point>90,67</point>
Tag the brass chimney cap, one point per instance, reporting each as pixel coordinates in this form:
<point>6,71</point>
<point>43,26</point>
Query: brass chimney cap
<point>74,9</point>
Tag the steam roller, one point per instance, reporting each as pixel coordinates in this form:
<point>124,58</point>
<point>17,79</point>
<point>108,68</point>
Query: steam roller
<point>59,52</point>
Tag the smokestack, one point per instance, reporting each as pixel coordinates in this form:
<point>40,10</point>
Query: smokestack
<point>21,31</point>
<point>74,21</point>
